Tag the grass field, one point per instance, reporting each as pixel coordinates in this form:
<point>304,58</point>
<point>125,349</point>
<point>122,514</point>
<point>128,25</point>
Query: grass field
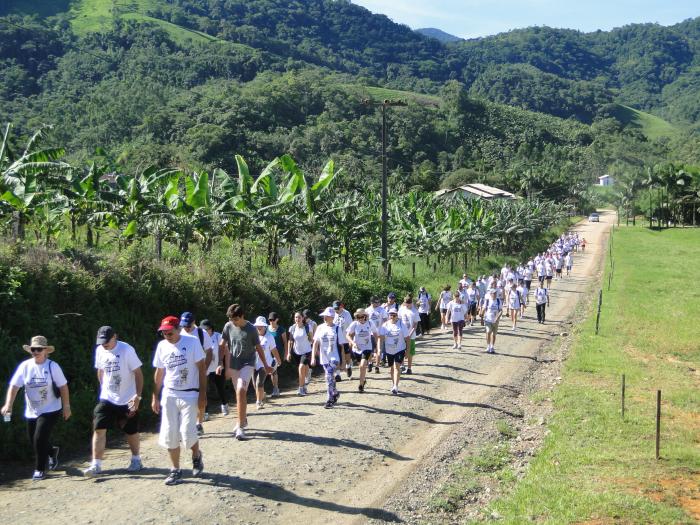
<point>596,467</point>
<point>652,126</point>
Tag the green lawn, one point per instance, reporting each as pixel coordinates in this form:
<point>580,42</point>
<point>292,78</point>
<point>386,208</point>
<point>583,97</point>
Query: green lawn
<point>595,466</point>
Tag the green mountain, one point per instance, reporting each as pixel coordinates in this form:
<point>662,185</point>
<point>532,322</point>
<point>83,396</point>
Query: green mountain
<point>438,34</point>
<point>193,81</point>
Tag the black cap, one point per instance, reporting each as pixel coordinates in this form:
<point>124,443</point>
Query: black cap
<point>336,304</point>
<point>273,316</point>
<point>206,323</point>
<point>104,334</point>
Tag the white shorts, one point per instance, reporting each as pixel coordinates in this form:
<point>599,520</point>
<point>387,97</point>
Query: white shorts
<point>241,378</point>
<point>178,422</point>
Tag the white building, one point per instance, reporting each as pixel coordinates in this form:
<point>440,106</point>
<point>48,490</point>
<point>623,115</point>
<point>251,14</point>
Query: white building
<point>478,191</point>
<point>605,180</point>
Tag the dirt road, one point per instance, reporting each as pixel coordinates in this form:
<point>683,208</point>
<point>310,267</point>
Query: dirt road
<point>358,462</point>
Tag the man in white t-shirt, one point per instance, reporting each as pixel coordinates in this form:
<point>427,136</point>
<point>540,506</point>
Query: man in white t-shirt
<point>342,321</point>
<point>180,374</point>
<point>408,314</point>
<point>491,312</point>
<point>377,315</point>
<point>188,327</point>
<point>121,383</point>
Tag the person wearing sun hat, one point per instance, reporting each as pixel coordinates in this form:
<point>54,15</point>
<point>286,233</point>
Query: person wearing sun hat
<point>46,398</point>
<point>362,333</point>
<point>326,347</point>
<point>269,346</point>
<point>178,392</point>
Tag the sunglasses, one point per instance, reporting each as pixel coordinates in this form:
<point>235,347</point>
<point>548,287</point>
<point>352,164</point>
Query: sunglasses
<point>37,349</point>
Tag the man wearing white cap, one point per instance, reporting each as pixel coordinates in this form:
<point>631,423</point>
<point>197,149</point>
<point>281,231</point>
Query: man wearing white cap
<point>326,344</point>
<point>269,346</point>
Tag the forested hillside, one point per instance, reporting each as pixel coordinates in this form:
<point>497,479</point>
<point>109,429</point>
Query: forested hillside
<point>191,82</point>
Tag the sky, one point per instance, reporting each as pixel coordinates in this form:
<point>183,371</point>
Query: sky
<point>475,18</point>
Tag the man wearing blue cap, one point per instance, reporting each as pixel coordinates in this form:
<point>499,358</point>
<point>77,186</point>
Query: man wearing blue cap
<point>189,328</point>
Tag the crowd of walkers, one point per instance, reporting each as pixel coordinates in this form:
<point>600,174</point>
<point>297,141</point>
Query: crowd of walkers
<point>189,355</point>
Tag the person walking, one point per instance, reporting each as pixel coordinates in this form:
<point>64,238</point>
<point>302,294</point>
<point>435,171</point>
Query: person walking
<point>121,384</point>
<point>326,347</point>
<point>569,261</point>
<point>396,339</point>
<point>541,302</point>
<point>179,361</point>
<point>424,299</point>
<point>515,302</point>
<point>491,311</point>
<point>240,343</point>
<point>188,327</point>
<point>216,372</point>
<point>46,398</point>
<point>377,316</point>
<point>342,321</point>
<point>456,311</point>
<point>472,302</point>
<point>441,305</point>
<point>272,356</point>
<point>408,315</point>
<point>299,349</point>
<point>361,333</point>
<point>276,330</point>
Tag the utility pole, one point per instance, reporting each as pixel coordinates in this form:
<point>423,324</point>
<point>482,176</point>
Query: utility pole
<point>385,217</point>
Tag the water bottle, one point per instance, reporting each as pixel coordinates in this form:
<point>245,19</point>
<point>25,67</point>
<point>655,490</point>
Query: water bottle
<point>7,417</point>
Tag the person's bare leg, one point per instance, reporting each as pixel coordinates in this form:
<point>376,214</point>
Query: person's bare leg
<point>174,457</point>
<point>241,406</point>
<point>134,441</point>
<point>99,442</point>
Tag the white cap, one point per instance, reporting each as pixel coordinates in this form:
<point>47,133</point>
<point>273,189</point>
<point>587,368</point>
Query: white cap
<point>260,321</point>
<point>328,312</point>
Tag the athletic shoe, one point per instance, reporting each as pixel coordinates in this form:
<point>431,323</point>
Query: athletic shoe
<point>376,370</point>
<point>301,392</point>
<point>224,410</point>
<point>454,346</point>
<point>306,392</point>
<point>197,465</point>
<point>338,379</point>
<point>53,458</point>
<point>275,392</point>
<point>200,429</point>
<point>307,380</point>
<point>512,329</point>
<point>240,435</point>
<point>134,465</point>
<point>38,475</point>
<point>369,367</point>
<point>361,387</point>
<point>408,371</point>
<point>329,404</point>
<point>459,347</point>
<point>394,390</point>
<point>174,478</point>
<point>206,416</point>
<point>259,404</point>
<point>348,370</point>
<point>336,396</point>
<point>92,471</point>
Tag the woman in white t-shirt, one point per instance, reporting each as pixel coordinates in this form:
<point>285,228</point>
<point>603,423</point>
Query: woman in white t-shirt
<point>456,312</point>
<point>326,348</point>
<point>397,339</point>
<point>515,301</point>
<point>46,398</point>
<point>299,342</point>
<point>443,301</point>
<point>360,334</point>
<point>267,342</point>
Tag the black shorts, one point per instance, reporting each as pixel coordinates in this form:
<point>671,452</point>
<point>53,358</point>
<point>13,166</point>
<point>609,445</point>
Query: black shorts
<point>303,359</point>
<point>541,278</point>
<point>398,357</point>
<point>443,310</point>
<point>108,415</point>
<point>344,347</point>
<point>363,354</point>
<point>471,310</point>
<point>558,270</point>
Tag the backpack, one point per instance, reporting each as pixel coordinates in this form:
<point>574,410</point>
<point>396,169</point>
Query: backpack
<point>56,390</point>
<point>200,334</point>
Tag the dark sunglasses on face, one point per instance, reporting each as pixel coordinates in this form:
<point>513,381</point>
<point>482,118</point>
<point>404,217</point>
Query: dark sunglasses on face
<point>37,350</point>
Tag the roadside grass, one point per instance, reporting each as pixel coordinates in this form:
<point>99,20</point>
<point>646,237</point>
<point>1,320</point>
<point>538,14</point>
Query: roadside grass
<point>594,465</point>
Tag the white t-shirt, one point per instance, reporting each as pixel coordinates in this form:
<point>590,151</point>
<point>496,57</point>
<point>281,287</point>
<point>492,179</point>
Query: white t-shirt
<point>300,336</point>
<point>328,343</point>
<point>117,365</point>
<point>456,311</point>
<point>569,260</point>
<point>409,318</point>
<point>541,295</point>
<point>513,299</point>
<point>527,274</point>
<point>267,342</point>
<point>540,269</point>
<point>394,337</point>
<point>38,391</point>
<point>377,315</point>
<point>492,307</point>
<point>180,363</point>
<point>472,294</point>
<point>342,320</point>
<point>424,303</point>
<point>362,333</point>
<point>445,298</point>
<point>215,340</point>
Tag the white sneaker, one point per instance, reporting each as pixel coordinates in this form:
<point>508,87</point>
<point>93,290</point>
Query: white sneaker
<point>206,416</point>
<point>92,471</point>
<point>224,410</point>
<point>240,435</point>
<point>134,465</point>
<point>259,404</point>
<point>454,346</point>
<point>459,347</point>
<point>394,390</point>
<point>301,392</point>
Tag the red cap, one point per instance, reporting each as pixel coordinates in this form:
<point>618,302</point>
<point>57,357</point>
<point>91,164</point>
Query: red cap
<point>170,323</point>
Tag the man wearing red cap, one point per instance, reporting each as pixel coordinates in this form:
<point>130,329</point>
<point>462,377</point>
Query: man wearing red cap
<point>180,370</point>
